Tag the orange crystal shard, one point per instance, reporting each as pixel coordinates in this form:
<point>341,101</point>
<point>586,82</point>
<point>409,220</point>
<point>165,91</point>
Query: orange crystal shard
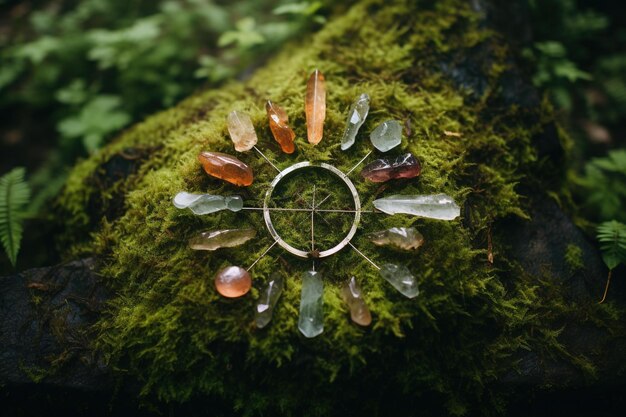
<point>280,128</point>
<point>233,281</point>
<point>226,167</point>
<point>315,107</point>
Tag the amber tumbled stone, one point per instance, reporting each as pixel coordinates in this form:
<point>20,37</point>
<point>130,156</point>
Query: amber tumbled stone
<point>280,128</point>
<point>226,167</point>
<point>233,282</point>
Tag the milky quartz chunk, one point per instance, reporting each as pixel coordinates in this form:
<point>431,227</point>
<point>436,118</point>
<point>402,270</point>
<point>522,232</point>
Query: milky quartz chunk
<point>438,206</point>
<point>311,320</point>
<point>315,107</point>
<point>403,166</point>
<point>226,167</point>
<point>217,239</point>
<point>268,299</point>
<point>233,282</point>
<point>356,117</point>
<point>352,296</point>
<point>241,131</point>
<point>407,238</point>
<point>387,135</point>
<point>401,278</point>
<point>206,203</point>
<point>279,125</point>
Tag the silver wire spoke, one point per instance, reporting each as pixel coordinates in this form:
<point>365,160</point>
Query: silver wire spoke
<point>267,159</point>
<point>364,257</point>
<point>262,255</point>
<point>359,163</point>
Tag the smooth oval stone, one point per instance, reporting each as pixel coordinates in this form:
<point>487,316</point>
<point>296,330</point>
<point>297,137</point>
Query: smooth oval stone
<point>217,239</point>
<point>407,238</point>
<point>352,296</point>
<point>438,206</point>
<point>311,319</point>
<point>401,278</point>
<point>387,135</point>
<point>356,117</point>
<point>233,282</point>
<point>226,167</point>
<point>315,107</point>
<point>206,203</point>
<point>279,125</point>
<point>381,170</point>
<point>268,299</point>
<point>241,131</point>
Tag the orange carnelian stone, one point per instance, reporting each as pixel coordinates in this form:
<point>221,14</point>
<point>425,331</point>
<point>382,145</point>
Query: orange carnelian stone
<point>280,127</point>
<point>315,107</point>
<point>226,167</point>
<point>233,281</point>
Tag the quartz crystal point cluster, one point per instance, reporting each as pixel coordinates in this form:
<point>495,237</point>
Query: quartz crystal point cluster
<point>401,278</point>
<point>403,166</point>
<point>407,238</point>
<point>387,135</point>
<point>315,107</point>
<point>311,320</point>
<point>438,206</point>
<point>356,118</point>
<point>268,299</point>
<point>279,125</point>
<point>217,239</point>
<point>206,203</point>
<point>352,296</point>
<point>233,281</point>
<point>241,131</point>
<point>226,167</point>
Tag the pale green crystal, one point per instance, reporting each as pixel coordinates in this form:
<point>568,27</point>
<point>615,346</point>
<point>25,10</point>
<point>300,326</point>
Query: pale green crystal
<point>311,320</point>
<point>438,206</point>
<point>216,239</point>
<point>400,237</point>
<point>401,278</point>
<point>207,203</point>
<point>356,118</point>
<point>268,299</point>
<point>387,135</point>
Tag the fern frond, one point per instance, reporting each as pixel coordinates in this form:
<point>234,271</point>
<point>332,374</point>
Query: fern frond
<point>14,195</point>
<point>612,237</point>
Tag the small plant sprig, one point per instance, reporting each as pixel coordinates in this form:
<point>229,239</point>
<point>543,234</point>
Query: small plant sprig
<point>14,196</point>
<point>612,237</point>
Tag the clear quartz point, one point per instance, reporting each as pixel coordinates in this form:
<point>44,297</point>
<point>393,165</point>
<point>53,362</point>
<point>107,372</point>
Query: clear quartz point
<point>438,206</point>
<point>311,320</point>
<point>387,135</point>
<point>401,278</point>
<point>268,299</point>
<point>352,296</point>
<point>356,118</point>
<point>206,203</point>
<point>407,238</point>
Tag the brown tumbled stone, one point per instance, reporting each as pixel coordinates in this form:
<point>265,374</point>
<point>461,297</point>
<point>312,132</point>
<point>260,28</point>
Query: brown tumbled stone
<point>279,120</point>
<point>233,282</point>
<point>226,167</point>
<point>381,170</point>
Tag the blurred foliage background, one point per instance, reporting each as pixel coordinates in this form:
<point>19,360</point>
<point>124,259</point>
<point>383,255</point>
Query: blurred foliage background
<point>73,73</point>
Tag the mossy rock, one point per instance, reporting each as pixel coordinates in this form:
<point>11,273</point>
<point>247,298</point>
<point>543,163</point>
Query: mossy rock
<point>436,67</point>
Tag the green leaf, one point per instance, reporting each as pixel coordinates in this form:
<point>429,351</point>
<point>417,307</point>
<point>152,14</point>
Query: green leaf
<point>612,237</point>
<point>14,195</point>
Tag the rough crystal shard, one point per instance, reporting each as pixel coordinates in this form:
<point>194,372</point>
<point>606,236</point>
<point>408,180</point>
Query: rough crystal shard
<point>438,206</point>
<point>311,320</point>
<point>351,294</point>
<point>387,135</point>
<point>241,131</point>
<point>407,238</point>
<point>315,107</point>
<point>206,203</point>
<point>356,118</point>
<point>381,170</point>
<point>401,278</point>
<point>226,167</point>
<point>268,299</point>
<point>233,281</point>
<point>279,125</point>
<point>216,239</point>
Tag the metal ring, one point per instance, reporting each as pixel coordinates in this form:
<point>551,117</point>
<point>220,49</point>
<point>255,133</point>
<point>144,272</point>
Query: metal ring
<point>301,165</point>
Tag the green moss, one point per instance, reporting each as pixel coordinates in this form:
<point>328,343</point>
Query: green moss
<point>574,257</point>
<point>168,328</point>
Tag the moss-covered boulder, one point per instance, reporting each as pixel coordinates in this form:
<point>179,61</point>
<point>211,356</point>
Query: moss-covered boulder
<point>480,134</point>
